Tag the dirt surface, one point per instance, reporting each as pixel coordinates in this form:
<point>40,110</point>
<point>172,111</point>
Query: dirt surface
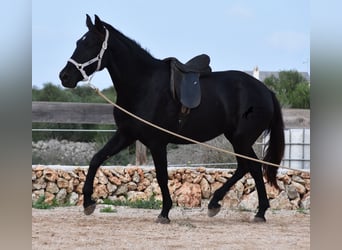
<point>127,228</point>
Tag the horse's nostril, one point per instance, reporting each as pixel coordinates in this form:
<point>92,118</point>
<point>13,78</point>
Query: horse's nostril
<point>63,76</point>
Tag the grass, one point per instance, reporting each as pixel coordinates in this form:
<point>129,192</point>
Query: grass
<point>243,209</point>
<point>303,211</point>
<point>41,204</point>
<point>151,203</point>
<point>108,209</point>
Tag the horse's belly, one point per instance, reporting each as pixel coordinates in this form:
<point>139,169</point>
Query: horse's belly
<point>202,132</point>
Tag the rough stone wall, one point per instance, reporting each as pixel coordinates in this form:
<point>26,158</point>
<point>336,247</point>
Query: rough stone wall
<point>188,186</point>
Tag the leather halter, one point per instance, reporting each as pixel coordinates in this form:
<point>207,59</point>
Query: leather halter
<point>98,59</point>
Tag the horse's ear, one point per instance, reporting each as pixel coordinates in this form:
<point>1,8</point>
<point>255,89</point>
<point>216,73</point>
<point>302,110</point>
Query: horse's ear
<point>98,24</point>
<point>89,22</point>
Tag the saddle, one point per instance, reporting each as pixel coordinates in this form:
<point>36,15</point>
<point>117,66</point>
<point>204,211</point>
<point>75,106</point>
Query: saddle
<point>185,80</point>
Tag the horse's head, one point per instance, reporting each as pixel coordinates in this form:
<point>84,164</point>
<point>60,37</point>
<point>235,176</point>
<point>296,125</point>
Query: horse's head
<point>88,55</point>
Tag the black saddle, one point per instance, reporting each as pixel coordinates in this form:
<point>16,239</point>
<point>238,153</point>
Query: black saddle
<point>185,80</point>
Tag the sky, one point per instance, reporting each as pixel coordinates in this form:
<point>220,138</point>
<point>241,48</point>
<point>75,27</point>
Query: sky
<point>237,35</point>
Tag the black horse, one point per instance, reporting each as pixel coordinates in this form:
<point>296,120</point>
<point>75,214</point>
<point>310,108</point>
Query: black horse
<point>229,102</point>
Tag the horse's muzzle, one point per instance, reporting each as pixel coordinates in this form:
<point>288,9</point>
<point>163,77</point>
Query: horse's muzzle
<point>68,80</point>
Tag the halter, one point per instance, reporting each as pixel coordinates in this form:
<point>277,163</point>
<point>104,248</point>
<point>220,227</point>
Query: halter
<point>98,58</point>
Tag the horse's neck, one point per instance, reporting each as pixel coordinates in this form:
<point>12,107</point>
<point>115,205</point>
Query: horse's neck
<point>127,75</point>
<point>131,74</point>
<point>130,66</point>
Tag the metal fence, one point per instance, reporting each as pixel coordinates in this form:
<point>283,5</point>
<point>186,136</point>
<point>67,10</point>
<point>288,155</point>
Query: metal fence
<point>297,148</point>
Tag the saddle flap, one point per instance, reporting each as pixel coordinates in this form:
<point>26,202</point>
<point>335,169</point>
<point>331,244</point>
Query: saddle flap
<point>190,90</point>
<point>185,79</point>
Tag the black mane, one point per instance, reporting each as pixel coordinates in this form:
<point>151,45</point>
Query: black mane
<point>131,44</point>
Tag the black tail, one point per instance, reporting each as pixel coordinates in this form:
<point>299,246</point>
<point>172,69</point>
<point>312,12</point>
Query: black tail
<point>276,143</point>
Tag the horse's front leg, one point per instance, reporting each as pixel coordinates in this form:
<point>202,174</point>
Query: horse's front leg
<point>112,147</point>
<point>160,162</point>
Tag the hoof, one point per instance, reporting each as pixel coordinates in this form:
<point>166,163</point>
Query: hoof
<point>259,219</point>
<point>213,211</point>
<point>162,220</point>
<point>90,209</point>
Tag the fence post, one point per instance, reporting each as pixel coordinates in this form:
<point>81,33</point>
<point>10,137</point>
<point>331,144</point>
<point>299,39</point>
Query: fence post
<point>140,154</point>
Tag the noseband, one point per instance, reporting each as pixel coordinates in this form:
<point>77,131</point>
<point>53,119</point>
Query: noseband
<point>98,58</point>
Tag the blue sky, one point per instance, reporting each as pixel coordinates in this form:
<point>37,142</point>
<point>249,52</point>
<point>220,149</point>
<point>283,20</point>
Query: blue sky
<point>273,35</point>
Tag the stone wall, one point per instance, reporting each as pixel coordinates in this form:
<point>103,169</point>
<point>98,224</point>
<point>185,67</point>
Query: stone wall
<point>188,186</point>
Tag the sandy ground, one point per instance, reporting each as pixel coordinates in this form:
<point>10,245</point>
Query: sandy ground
<point>127,228</point>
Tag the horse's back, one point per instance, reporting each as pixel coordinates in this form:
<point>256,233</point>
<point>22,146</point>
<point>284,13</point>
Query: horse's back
<point>227,96</point>
<point>236,89</point>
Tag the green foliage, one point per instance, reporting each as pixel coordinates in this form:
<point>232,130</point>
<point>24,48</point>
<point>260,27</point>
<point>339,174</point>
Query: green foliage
<point>53,93</point>
<point>41,204</point>
<point>151,203</point>
<point>50,92</point>
<point>108,209</point>
<point>291,88</point>
<point>303,211</point>
<point>300,97</point>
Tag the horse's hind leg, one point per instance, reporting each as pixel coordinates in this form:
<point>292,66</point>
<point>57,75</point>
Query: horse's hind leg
<point>242,143</point>
<point>213,206</point>
<point>113,146</point>
<point>256,172</point>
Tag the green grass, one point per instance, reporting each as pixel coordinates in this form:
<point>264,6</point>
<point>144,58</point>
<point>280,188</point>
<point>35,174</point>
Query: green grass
<point>108,209</point>
<point>242,209</point>
<point>303,211</point>
<point>41,204</point>
<point>151,203</point>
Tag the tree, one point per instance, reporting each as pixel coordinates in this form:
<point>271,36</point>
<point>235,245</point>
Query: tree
<point>300,97</point>
<point>54,93</point>
<point>50,92</point>
<point>291,88</point>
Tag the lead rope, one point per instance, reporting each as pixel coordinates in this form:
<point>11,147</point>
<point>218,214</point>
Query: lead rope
<point>184,137</point>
